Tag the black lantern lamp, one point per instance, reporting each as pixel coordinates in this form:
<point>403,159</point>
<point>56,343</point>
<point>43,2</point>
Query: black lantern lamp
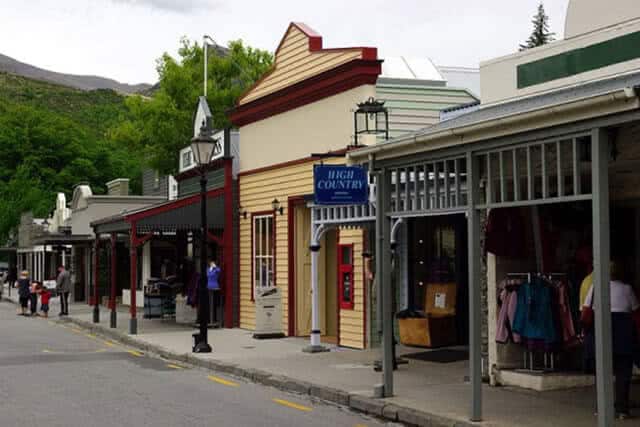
<point>276,206</point>
<point>371,118</point>
<point>202,147</point>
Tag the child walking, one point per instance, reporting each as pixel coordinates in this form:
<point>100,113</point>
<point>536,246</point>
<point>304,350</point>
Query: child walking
<point>45,296</point>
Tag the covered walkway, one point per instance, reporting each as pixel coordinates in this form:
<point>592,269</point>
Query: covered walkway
<point>179,221</point>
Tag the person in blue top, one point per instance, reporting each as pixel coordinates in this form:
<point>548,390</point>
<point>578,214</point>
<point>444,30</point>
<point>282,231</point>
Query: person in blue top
<point>213,276</point>
<point>213,284</point>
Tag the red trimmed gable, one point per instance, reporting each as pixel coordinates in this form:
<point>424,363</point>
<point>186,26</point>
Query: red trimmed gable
<point>305,72</point>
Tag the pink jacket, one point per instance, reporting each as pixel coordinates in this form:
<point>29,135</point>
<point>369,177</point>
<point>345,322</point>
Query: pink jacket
<point>505,317</point>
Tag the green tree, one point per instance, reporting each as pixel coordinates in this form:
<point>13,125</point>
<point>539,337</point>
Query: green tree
<point>43,152</point>
<point>162,125</point>
<point>541,34</point>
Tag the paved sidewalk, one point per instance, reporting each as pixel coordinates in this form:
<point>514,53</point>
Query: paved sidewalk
<point>426,393</point>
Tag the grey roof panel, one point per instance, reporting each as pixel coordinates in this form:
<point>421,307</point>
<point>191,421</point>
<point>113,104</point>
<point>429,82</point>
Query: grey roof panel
<point>533,103</point>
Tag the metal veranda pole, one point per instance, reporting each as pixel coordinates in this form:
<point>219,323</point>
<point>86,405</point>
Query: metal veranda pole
<point>475,297</point>
<point>601,276</point>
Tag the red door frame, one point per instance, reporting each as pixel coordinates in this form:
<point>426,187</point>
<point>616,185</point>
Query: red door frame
<point>346,268</point>
<point>227,237</point>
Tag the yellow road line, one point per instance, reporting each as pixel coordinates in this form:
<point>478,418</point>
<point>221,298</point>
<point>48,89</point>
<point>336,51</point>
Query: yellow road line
<point>223,381</point>
<point>77,331</point>
<point>101,350</point>
<point>46,351</point>
<point>292,405</point>
<point>172,366</point>
<point>135,353</point>
<point>93,337</point>
<point>109,343</point>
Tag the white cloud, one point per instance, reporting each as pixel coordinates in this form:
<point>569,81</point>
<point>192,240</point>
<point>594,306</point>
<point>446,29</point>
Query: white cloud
<point>121,39</point>
<point>181,6</point>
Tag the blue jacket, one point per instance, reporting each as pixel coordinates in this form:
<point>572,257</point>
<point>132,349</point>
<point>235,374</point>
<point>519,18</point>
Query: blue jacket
<point>534,314</point>
<point>213,276</point>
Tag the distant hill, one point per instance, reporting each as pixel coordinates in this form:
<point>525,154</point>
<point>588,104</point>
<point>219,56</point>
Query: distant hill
<point>95,111</point>
<point>12,66</point>
<point>51,138</point>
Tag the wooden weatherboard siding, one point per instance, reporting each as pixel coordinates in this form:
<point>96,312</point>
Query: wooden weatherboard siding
<point>413,107</point>
<point>352,321</point>
<point>257,190</point>
<point>299,57</point>
<point>302,106</point>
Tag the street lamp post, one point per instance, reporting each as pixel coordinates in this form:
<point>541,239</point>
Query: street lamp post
<point>202,148</point>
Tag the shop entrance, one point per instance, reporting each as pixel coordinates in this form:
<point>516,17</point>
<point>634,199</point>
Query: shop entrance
<point>437,281</point>
<point>327,280</point>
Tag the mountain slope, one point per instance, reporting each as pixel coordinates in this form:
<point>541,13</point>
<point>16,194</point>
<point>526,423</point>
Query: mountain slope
<point>94,110</point>
<point>10,65</point>
<point>51,138</point>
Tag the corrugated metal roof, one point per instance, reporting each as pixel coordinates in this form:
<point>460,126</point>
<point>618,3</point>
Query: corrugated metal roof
<point>587,90</point>
<point>458,110</point>
<point>461,77</point>
<point>400,67</point>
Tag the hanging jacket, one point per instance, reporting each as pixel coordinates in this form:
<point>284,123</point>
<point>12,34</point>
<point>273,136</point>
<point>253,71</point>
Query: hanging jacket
<point>504,332</point>
<point>534,313</point>
<point>567,329</point>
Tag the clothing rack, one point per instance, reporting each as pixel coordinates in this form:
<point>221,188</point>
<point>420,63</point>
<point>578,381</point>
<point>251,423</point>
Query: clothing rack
<point>549,357</point>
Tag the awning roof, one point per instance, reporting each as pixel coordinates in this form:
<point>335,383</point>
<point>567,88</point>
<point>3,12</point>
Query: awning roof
<point>180,214</point>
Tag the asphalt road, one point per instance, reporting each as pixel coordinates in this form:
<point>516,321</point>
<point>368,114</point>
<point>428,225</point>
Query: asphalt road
<point>53,374</point>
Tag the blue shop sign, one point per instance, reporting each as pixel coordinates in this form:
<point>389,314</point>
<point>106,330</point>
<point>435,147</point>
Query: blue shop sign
<point>340,185</point>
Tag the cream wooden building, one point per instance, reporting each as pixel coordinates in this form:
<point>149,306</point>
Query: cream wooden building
<point>297,115</point>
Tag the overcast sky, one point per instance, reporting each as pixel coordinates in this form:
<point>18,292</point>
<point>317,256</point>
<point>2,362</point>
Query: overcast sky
<point>122,39</point>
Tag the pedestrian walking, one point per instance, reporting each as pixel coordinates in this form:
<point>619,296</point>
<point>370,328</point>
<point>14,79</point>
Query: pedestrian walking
<point>45,296</point>
<point>624,305</point>
<point>23,292</point>
<point>33,298</point>
<point>63,286</point>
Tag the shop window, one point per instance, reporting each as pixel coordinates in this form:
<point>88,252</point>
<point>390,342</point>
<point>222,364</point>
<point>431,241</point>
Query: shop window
<point>263,252</point>
<point>345,276</point>
<point>432,256</point>
<point>186,160</point>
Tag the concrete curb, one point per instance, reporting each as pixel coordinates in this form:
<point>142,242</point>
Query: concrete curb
<point>357,402</point>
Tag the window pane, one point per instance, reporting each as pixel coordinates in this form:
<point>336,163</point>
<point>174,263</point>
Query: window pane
<point>263,236</point>
<point>346,255</point>
<point>268,236</point>
<point>271,270</point>
<point>264,245</point>
<point>256,272</point>
<point>346,287</point>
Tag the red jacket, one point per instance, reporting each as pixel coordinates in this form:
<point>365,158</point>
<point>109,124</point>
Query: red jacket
<point>45,296</point>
